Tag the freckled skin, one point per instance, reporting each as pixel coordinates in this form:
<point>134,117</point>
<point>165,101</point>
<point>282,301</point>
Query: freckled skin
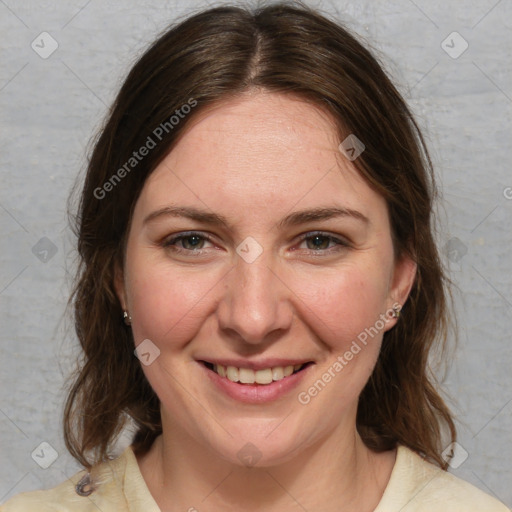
<point>255,160</point>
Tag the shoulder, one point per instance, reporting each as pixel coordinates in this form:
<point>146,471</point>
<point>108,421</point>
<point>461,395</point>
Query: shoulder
<point>418,486</point>
<point>108,480</point>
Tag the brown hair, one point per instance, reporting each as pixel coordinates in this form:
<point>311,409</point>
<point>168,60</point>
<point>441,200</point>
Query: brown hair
<point>210,57</point>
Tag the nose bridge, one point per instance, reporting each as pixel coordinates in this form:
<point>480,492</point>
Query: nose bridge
<point>255,303</point>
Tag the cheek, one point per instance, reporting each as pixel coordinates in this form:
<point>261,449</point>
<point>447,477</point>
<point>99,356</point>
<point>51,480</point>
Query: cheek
<point>345,313</point>
<point>167,305</point>
<point>344,305</point>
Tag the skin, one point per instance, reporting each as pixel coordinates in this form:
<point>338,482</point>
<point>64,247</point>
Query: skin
<point>255,160</point>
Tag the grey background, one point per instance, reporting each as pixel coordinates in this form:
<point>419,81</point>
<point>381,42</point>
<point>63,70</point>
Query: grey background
<point>51,107</point>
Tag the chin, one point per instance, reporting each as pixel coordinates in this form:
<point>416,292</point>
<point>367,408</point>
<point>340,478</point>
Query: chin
<point>259,447</point>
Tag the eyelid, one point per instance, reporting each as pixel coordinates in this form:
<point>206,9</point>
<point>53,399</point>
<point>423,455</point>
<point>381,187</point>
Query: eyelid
<point>172,239</point>
<point>341,241</point>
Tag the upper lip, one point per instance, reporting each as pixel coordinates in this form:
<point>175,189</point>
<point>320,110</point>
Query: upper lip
<point>256,365</point>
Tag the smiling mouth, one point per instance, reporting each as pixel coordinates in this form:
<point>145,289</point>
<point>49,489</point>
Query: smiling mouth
<point>249,376</point>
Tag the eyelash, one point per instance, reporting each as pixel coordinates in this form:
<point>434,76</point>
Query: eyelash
<point>169,243</point>
<point>340,244</point>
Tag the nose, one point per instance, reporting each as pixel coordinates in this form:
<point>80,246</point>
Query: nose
<point>256,306</point>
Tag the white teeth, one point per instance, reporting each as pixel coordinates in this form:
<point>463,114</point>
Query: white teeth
<point>288,370</point>
<point>248,376</point>
<point>232,373</point>
<point>264,376</point>
<point>277,373</point>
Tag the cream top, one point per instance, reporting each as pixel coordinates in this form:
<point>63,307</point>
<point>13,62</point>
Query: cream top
<point>415,486</point>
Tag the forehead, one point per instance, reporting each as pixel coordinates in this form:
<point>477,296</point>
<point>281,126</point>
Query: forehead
<point>256,150</point>
<point>267,132</point>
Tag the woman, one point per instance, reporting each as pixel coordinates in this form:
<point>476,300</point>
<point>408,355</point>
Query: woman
<point>256,223</point>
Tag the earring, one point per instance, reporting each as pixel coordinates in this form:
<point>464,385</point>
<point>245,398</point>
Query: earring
<point>396,310</point>
<point>127,318</point>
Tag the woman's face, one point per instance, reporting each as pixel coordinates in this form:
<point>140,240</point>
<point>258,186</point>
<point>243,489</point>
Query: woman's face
<point>255,245</point>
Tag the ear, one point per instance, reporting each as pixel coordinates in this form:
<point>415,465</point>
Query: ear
<point>404,275</point>
<point>119,286</point>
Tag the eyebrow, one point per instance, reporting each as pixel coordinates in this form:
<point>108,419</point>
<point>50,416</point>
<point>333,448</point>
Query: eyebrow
<point>293,219</point>
<point>188,212</point>
<point>317,214</point>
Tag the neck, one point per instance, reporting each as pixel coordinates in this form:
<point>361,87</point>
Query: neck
<point>337,473</point>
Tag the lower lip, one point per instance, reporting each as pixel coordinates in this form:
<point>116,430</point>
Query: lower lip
<point>256,393</point>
